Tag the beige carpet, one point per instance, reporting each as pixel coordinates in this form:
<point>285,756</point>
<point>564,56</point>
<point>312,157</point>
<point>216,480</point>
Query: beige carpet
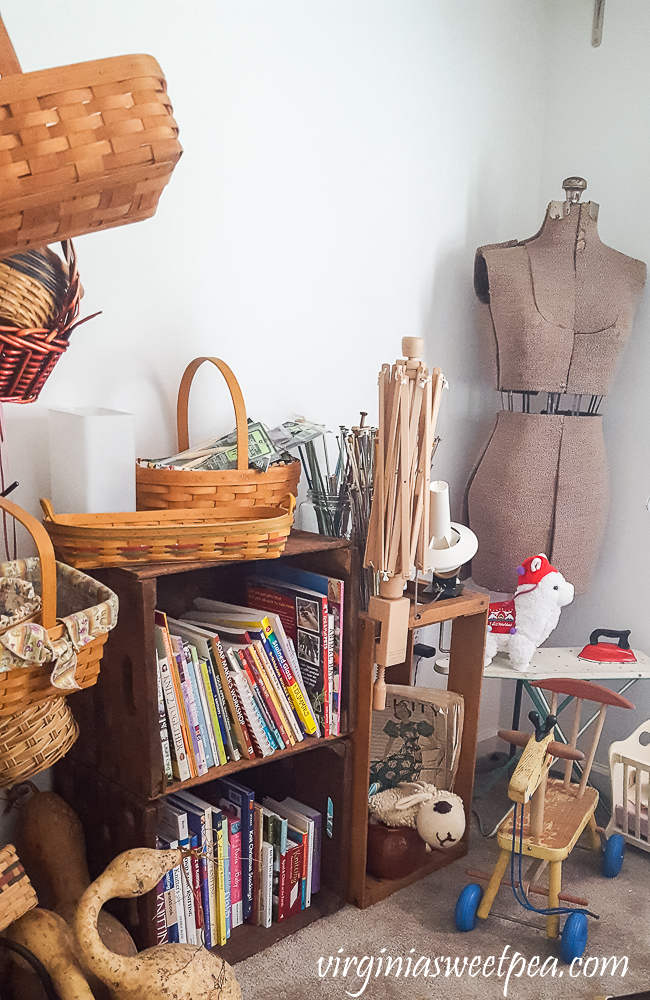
<point>419,922</point>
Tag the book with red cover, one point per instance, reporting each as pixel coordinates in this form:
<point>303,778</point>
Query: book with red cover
<point>290,895</point>
<point>304,615</point>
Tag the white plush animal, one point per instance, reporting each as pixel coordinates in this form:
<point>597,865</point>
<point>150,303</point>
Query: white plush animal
<point>437,815</point>
<point>521,625</point>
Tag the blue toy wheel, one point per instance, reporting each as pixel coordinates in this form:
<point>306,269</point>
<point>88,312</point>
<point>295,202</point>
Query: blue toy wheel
<point>574,936</point>
<point>613,855</point>
<point>466,907</point>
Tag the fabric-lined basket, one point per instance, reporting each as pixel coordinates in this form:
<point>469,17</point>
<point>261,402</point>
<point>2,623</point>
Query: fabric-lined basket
<point>82,147</point>
<point>16,893</point>
<point>160,489</point>
<point>230,533</point>
<point>47,659</point>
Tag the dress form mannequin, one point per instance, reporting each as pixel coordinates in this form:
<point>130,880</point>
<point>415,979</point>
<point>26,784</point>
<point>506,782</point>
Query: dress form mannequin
<point>562,305</point>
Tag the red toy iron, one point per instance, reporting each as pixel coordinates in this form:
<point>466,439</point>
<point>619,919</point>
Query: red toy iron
<point>608,652</point>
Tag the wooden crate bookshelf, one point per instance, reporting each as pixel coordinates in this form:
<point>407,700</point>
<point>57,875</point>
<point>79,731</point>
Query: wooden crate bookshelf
<point>468,614</point>
<point>114,777</point>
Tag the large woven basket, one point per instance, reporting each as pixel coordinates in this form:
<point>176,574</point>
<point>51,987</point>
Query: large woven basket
<point>82,147</point>
<point>231,533</point>
<point>16,893</point>
<point>33,740</point>
<point>55,656</point>
<point>159,489</point>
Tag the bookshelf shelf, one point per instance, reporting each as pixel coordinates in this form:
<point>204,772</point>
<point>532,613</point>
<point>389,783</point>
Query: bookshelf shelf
<point>114,777</point>
<point>241,765</point>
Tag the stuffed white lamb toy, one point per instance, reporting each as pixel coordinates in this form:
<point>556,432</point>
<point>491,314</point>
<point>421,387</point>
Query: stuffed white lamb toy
<point>437,815</point>
<point>521,625</point>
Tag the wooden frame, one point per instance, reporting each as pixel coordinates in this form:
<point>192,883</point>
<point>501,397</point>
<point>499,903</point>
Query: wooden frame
<point>469,616</point>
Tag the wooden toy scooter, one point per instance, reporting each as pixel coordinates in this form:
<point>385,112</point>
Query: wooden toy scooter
<point>548,817</point>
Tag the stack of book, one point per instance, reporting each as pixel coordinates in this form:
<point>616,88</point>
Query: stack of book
<point>243,861</point>
<point>241,682</point>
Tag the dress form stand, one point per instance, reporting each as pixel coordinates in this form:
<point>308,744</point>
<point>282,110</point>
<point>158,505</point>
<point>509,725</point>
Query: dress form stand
<point>562,305</point>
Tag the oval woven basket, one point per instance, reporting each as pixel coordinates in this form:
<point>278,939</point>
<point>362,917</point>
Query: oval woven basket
<point>229,534</point>
<point>25,684</point>
<point>160,489</point>
<point>33,740</point>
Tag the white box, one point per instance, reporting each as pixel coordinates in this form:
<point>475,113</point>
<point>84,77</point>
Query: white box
<point>92,461</point>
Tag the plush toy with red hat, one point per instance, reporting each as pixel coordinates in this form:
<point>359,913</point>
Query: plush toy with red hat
<point>521,625</point>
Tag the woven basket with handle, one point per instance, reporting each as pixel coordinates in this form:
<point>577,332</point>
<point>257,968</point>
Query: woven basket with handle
<point>23,686</point>
<point>82,147</point>
<point>157,489</point>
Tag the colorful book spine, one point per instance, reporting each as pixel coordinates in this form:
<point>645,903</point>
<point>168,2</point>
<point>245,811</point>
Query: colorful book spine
<point>220,886</point>
<point>272,733</point>
<point>177,875</point>
<point>290,896</point>
<point>304,616</point>
<point>164,730</point>
<point>317,818</point>
<point>273,720</point>
<point>302,707</point>
<point>199,918</point>
<point>274,674</point>
<point>213,712</point>
<point>160,917</point>
<point>190,706</point>
<point>221,702</point>
<point>259,734</point>
<point>234,842</point>
<point>243,799</point>
<point>171,917</point>
<point>256,912</point>
<point>207,736</point>
<point>299,837</point>
<point>239,617</point>
<point>180,763</point>
<point>237,718</point>
<point>271,695</point>
<point>267,885</point>
<point>227,875</point>
<point>334,590</point>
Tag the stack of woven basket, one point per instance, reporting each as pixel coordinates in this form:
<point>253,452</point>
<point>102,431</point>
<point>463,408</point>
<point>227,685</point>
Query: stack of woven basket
<point>48,650</point>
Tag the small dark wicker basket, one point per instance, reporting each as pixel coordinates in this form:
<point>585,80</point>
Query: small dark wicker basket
<point>28,355</point>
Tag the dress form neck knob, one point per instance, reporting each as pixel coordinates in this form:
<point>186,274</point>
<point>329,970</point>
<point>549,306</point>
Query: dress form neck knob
<point>574,186</point>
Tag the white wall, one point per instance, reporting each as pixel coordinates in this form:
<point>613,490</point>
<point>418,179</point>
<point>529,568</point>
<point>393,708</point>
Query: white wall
<point>342,162</point>
<point>596,127</point>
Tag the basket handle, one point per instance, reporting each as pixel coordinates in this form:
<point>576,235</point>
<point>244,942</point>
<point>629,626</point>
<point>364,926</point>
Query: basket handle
<point>8,59</point>
<point>46,556</point>
<point>237,400</point>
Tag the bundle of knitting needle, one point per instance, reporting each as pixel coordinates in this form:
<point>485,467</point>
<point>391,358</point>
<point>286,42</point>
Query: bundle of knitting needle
<point>342,499</point>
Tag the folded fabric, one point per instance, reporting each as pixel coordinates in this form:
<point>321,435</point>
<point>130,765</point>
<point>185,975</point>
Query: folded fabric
<point>29,644</point>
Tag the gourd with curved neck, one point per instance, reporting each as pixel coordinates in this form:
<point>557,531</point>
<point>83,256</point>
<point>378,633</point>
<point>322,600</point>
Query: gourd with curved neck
<point>48,937</point>
<point>166,972</point>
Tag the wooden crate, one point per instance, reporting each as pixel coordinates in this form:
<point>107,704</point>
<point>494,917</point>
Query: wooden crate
<point>468,614</point>
<point>115,820</point>
<point>118,718</point>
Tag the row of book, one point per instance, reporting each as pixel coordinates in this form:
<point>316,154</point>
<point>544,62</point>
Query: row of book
<point>237,682</point>
<point>242,862</point>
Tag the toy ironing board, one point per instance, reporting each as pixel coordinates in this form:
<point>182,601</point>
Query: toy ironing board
<point>564,661</point>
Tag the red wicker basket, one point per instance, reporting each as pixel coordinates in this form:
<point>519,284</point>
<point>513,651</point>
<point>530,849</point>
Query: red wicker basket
<point>28,356</point>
